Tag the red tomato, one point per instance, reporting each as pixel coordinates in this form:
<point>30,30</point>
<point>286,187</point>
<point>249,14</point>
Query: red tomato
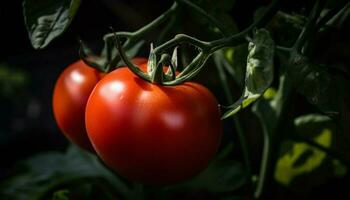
<point>150,133</point>
<point>70,96</point>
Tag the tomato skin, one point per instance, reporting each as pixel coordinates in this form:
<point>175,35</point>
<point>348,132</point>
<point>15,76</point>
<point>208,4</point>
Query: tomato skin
<point>70,96</point>
<point>150,133</point>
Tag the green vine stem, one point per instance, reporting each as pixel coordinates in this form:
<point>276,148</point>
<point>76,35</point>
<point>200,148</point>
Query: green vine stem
<point>133,36</point>
<point>238,127</point>
<point>309,28</point>
<point>135,69</point>
<point>263,166</point>
<point>341,5</point>
<point>212,46</point>
<point>207,48</point>
<point>272,138</point>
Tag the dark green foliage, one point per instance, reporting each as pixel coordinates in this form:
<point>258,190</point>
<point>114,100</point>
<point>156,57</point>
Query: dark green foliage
<point>48,19</point>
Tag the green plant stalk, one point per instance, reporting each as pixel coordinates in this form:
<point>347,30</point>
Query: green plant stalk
<point>136,35</point>
<point>212,46</point>
<point>263,166</point>
<point>309,28</point>
<point>342,4</point>
<point>238,127</point>
<point>206,48</point>
<point>191,70</point>
<point>128,63</point>
<point>272,140</point>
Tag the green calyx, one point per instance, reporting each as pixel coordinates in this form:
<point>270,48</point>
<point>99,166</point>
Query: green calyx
<point>155,73</point>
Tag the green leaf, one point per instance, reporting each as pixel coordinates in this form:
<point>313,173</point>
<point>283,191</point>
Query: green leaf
<point>259,71</point>
<point>40,175</point>
<point>47,19</point>
<point>300,158</point>
<point>61,195</point>
<point>313,82</point>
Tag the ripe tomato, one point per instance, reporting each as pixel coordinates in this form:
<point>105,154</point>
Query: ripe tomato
<point>151,133</point>
<point>70,96</point>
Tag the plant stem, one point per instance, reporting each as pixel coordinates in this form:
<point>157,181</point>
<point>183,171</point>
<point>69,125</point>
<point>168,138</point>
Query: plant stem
<point>179,39</point>
<point>285,49</point>
<point>309,27</point>
<point>238,127</point>
<point>147,28</point>
<point>212,46</point>
<point>273,134</point>
<point>263,166</point>
<point>207,48</point>
<point>342,5</point>
<point>128,63</point>
<point>240,37</point>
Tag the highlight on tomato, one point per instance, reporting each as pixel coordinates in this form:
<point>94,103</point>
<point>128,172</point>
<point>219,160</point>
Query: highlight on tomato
<point>71,92</point>
<point>151,133</point>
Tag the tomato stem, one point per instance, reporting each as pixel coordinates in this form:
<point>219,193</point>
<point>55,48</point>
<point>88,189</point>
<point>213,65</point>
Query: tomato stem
<point>233,40</point>
<point>134,68</point>
<point>109,59</point>
<point>140,33</point>
<point>206,48</point>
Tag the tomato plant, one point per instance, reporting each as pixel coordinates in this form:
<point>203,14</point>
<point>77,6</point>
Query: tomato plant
<point>151,133</point>
<point>70,96</point>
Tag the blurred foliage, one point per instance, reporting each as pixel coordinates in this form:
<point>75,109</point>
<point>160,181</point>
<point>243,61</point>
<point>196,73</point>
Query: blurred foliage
<point>38,176</point>
<point>80,175</point>
<point>300,158</point>
<point>12,81</point>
